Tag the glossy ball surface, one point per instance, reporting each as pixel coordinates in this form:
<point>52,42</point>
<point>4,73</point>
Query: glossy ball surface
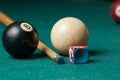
<point>20,39</point>
<point>68,31</point>
<point>115,11</point>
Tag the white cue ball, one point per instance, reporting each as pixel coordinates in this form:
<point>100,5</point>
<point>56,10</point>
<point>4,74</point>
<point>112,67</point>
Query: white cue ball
<point>68,31</point>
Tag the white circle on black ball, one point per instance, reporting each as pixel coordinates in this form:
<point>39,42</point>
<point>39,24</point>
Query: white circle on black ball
<point>26,27</point>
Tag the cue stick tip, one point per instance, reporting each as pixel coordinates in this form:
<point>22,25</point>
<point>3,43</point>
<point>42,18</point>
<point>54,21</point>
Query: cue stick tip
<point>60,60</point>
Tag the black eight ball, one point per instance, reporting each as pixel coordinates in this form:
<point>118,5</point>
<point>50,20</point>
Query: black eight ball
<point>20,39</point>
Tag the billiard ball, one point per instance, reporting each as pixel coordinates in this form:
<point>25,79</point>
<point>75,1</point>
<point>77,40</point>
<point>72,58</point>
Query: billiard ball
<point>68,31</point>
<point>20,39</point>
<point>28,40</point>
<point>115,11</point>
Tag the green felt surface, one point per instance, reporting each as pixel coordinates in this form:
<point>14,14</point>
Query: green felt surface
<point>104,41</point>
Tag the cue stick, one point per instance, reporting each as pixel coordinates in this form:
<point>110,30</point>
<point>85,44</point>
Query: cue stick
<point>41,46</point>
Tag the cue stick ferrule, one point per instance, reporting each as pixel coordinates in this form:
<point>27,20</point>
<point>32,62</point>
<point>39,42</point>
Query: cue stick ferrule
<point>54,56</point>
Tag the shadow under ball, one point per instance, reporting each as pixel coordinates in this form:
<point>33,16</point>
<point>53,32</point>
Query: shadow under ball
<point>20,39</point>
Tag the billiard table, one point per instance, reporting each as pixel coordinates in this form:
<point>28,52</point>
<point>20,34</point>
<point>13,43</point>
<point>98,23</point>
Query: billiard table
<point>103,43</point>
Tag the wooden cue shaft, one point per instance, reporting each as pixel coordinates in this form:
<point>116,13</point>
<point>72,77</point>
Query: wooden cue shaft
<point>48,51</point>
<point>6,21</point>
